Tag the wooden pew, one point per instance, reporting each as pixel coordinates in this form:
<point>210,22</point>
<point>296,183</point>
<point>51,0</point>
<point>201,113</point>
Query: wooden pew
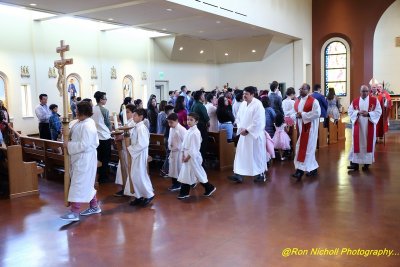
<point>341,130</point>
<point>224,151</point>
<point>293,137</point>
<point>33,149</point>
<point>22,176</point>
<point>322,134</point>
<point>333,131</point>
<point>54,158</point>
<point>157,148</point>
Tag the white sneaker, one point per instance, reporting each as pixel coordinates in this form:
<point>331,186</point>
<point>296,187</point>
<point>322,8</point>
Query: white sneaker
<point>90,211</point>
<point>70,216</point>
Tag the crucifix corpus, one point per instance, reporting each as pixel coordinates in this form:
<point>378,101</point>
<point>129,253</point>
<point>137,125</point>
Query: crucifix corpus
<point>62,88</point>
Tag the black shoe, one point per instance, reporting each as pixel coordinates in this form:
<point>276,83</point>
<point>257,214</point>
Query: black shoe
<point>312,173</point>
<point>298,174</point>
<point>260,178</point>
<point>209,191</point>
<point>136,202</point>
<point>353,167</point>
<point>236,178</point>
<point>119,193</point>
<point>147,201</point>
<point>175,187</point>
<point>182,196</point>
<point>365,167</point>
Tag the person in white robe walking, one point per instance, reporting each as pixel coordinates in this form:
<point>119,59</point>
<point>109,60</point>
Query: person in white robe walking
<point>307,114</point>
<point>364,113</point>
<point>83,163</point>
<point>251,154</point>
<point>191,170</point>
<point>139,151</point>
<point>175,140</point>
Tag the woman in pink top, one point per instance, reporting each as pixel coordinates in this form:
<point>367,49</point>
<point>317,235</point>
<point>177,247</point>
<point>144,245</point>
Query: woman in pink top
<point>180,110</point>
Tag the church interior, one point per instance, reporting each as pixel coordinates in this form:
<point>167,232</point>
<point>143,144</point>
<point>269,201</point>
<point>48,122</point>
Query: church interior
<point>140,48</point>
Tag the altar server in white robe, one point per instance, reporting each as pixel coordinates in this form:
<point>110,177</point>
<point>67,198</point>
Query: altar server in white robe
<point>251,154</point>
<point>364,113</point>
<point>175,140</point>
<point>139,151</point>
<point>191,170</point>
<point>127,190</point>
<point>83,163</point>
<point>307,115</point>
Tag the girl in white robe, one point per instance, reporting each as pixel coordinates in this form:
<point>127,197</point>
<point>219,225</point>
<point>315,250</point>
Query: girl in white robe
<point>192,171</point>
<point>123,162</point>
<point>83,163</point>
<point>176,136</point>
<point>139,151</point>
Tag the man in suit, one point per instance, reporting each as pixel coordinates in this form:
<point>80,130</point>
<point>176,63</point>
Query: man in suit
<point>323,103</point>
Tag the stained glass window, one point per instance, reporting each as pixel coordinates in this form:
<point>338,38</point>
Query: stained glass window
<point>335,71</point>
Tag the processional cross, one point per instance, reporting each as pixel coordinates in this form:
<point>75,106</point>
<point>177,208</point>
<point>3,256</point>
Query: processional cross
<point>62,88</point>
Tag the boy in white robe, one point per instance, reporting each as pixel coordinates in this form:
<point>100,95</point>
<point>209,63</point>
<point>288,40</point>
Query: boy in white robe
<point>83,163</point>
<point>192,171</point>
<point>364,113</point>
<point>139,151</point>
<point>127,189</point>
<point>175,140</point>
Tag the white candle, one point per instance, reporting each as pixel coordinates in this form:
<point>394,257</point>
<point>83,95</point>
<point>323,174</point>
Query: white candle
<point>124,118</point>
<point>115,121</point>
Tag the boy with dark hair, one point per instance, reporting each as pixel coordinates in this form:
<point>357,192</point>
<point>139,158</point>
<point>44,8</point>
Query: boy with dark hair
<point>54,122</point>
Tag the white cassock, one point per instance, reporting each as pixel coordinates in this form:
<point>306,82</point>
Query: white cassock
<point>139,150</point>
<point>363,157</point>
<point>192,171</point>
<point>83,160</point>
<point>175,141</point>
<point>310,163</point>
<point>212,114</point>
<point>251,153</point>
<point>124,162</point>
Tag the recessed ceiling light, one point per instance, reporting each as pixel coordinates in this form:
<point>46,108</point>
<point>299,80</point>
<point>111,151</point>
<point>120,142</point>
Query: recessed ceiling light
<point>253,51</point>
<point>164,29</point>
<point>181,48</point>
<point>218,21</point>
<point>201,51</point>
<point>110,19</point>
<point>201,31</point>
<point>33,4</point>
<point>226,54</point>
<point>169,9</point>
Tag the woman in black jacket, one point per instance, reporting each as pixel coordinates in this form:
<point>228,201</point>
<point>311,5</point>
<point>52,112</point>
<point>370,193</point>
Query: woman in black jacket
<point>225,117</point>
<point>152,114</point>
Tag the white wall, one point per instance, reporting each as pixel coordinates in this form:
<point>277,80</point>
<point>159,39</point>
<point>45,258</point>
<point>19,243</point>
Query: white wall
<point>386,55</point>
<point>278,66</point>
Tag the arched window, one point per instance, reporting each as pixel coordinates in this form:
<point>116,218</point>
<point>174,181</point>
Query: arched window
<point>336,72</point>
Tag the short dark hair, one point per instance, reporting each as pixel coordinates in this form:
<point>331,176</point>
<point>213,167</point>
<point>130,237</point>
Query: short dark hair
<point>316,87</point>
<point>87,100</point>
<point>172,117</point>
<point>73,97</point>
<point>41,96</point>
<point>265,101</point>
<point>137,102</point>
<point>197,95</point>
<point>210,97</point>
<point>168,108</point>
<point>290,91</point>
<point>250,89</point>
<point>183,87</point>
<point>274,85</point>
<point>99,95</point>
<point>239,95</point>
<point>84,108</point>
<point>140,112</point>
<point>194,115</point>
<point>131,107</point>
<point>78,98</point>
<point>307,86</point>
<point>170,92</point>
<point>127,100</point>
<point>53,106</point>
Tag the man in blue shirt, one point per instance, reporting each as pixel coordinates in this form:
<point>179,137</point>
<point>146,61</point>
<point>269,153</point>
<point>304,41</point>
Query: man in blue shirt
<point>322,103</point>
<point>187,98</point>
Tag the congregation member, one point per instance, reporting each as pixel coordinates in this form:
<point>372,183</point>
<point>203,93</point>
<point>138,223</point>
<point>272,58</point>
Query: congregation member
<point>181,111</point>
<point>161,118</point>
<point>225,117</point>
<point>169,109</point>
<point>212,112</point>
<point>192,170</point>
<point>101,118</point>
<point>171,100</point>
<point>281,139</point>
<point>270,115</point>
<point>203,121</point>
<point>73,103</point>
<point>323,104</point>
<point>125,183</point>
<point>54,122</point>
<point>81,149</point>
<point>152,114</point>
<point>43,114</point>
<point>175,141</point>
<point>364,113</point>
<point>184,93</point>
<point>139,151</point>
<point>275,97</point>
<point>288,106</point>
<point>238,101</point>
<point>251,155</point>
<point>333,104</point>
<point>307,115</point>
<point>127,100</point>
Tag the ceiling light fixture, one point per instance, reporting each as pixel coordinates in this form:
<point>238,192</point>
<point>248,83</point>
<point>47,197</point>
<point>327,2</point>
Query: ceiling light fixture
<point>201,51</point>
<point>169,9</point>
<point>201,31</point>
<point>110,19</point>
<point>181,48</point>
<point>226,54</point>
<point>164,29</point>
<point>218,22</point>
<point>253,51</point>
<point>33,4</point>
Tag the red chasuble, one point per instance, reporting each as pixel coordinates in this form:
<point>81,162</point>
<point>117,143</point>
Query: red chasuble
<point>305,128</point>
<point>370,132</point>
